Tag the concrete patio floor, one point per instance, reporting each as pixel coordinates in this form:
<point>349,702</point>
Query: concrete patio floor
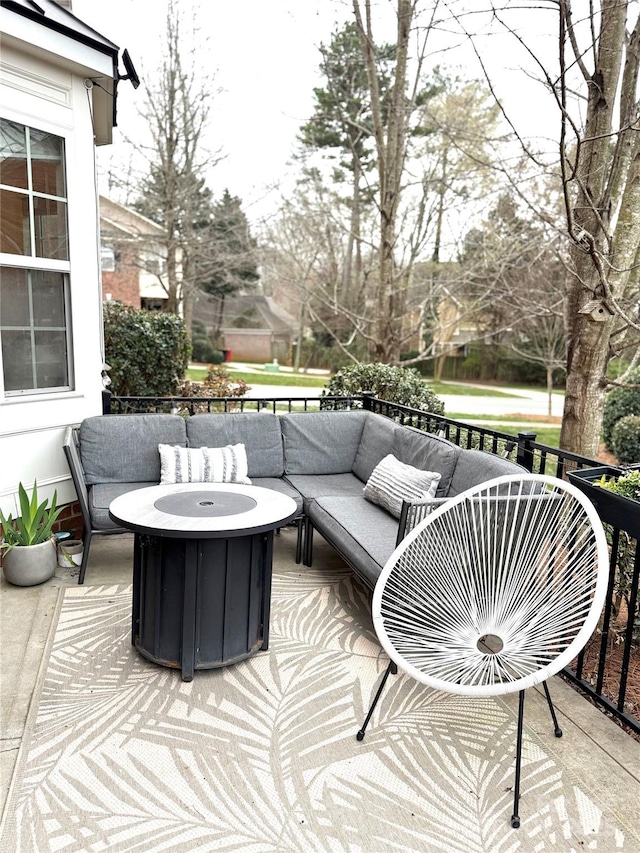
<point>603,756</point>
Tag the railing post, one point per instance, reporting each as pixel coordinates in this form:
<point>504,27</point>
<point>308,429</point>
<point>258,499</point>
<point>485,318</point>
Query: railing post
<point>106,402</point>
<point>525,450</point>
<point>367,397</point>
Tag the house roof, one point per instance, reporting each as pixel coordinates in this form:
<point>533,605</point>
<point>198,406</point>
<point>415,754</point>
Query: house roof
<point>247,311</point>
<point>60,37</point>
<point>117,219</point>
<point>50,14</point>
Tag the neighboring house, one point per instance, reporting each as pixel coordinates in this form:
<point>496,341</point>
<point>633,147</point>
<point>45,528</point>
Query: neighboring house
<point>134,258</point>
<point>457,328</point>
<point>58,85</point>
<point>253,327</point>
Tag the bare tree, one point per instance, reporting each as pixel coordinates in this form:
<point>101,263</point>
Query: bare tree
<point>173,191</point>
<point>594,87</point>
<point>391,141</point>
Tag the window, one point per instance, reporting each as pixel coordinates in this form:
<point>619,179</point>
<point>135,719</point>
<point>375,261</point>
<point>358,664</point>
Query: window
<point>108,259</point>
<point>34,273</point>
<point>153,262</point>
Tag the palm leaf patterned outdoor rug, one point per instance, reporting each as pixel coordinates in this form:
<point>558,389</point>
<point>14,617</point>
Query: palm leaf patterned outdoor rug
<point>262,756</point>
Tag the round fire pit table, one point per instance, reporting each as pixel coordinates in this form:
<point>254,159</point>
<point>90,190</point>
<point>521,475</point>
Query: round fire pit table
<point>201,570</point>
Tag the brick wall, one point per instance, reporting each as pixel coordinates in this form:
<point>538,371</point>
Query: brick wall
<point>70,519</point>
<point>124,283</point>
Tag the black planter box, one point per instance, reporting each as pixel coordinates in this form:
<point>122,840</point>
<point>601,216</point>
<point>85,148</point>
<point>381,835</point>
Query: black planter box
<point>617,510</point>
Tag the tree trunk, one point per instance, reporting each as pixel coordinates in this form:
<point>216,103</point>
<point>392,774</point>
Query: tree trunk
<point>550,390</point>
<point>391,151</point>
<point>604,185</point>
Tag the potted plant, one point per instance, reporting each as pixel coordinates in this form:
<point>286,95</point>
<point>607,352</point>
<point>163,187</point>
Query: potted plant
<point>28,546</point>
<point>615,493</point>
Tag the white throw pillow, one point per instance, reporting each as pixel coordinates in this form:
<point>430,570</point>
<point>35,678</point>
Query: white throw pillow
<point>203,464</point>
<point>392,481</point>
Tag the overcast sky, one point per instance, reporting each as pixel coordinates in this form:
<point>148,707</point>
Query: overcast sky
<point>265,57</point>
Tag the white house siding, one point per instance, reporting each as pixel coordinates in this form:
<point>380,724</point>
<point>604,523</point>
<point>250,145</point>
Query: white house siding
<point>46,90</point>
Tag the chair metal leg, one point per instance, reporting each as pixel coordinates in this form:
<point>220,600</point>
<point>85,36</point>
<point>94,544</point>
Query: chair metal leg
<point>299,539</point>
<point>308,542</point>
<point>556,728</point>
<point>515,817</point>
<point>85,555</point>
<point>391,669</point>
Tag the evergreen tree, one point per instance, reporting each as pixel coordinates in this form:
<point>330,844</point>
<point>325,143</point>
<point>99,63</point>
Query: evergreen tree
<point>230,265</point>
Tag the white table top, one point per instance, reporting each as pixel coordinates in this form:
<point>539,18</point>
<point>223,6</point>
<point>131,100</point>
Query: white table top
<point>207,509</point>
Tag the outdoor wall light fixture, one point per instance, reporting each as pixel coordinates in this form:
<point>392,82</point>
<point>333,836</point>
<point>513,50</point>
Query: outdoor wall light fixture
<point>129,68</point>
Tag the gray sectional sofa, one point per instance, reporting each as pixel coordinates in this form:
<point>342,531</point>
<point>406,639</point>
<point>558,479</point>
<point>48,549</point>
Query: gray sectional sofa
<point>321,459</point>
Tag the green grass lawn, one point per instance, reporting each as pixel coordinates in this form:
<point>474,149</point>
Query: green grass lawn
<point>451,388</point>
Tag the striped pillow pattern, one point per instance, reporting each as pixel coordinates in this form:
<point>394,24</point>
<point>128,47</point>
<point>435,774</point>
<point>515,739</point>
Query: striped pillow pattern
<point>392,481</point>
<point>203,464</point>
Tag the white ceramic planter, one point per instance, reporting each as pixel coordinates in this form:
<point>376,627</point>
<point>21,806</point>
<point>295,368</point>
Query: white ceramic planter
<point>30,564</point>
<point>70,553</point>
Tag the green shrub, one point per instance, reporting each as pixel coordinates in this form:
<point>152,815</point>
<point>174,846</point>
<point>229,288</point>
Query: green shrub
<point>619,403</point>
<point>625,440</point>
<point>202,350</point>
<point>147,351</point>
<point>204,353</point>
<point>401,385</point>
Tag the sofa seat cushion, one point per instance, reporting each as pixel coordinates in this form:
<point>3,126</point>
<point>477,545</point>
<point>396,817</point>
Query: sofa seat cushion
<point>100,497</point>
<point>376,442</point>
<point>115,448</point>
<point>321,442</point>
<point>282,486</point>
<point>427,452</point>
<point>260,434</point>
<point>363,533</point>
<point>311,487</point>
<point>392,482</point>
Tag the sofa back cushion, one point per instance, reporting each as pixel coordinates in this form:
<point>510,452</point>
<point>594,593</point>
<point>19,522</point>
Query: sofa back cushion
<point>321,442</point>
<point>260,434</point>
<point>477,466</point>
<point>427,452</point>
<point>376,442</point>
<point>124,448</point>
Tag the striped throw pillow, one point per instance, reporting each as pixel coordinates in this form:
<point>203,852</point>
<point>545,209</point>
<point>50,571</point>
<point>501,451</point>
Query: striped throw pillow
<point>203,464</point>
<point>392,481</point>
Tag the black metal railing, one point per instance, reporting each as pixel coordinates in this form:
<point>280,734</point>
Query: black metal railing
<point>602,670</point>
<point>113,405</point>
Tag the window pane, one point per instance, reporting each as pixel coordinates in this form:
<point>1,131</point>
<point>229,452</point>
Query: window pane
<point>50,222</point>
<point>33,328</point>
<point>17,360</point>
<point>48,300</point>
<point>14,223</point>
<point>14,297</point>
<point>13,154</point>
<point>47,163</point>
<point>51,359</point>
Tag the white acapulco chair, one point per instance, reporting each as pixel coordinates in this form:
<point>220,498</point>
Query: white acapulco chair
<point>496,590</point>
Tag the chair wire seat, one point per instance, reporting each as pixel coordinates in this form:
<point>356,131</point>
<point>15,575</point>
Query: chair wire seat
<point>495,590</point>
